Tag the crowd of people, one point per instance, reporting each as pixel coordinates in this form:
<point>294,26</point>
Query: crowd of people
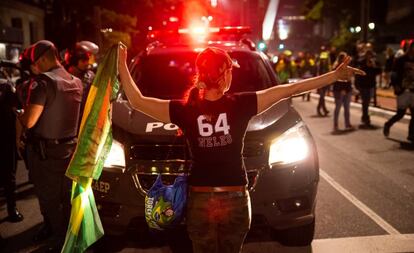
<point>388,70</point>
<point>43,113</point>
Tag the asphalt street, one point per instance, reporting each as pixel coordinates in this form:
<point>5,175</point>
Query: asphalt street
<point>365,198</point>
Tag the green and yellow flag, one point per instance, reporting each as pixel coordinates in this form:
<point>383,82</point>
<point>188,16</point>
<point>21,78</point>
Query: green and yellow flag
<point>95,139</point>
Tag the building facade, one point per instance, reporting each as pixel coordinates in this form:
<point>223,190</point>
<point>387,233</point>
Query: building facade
<point>21,24</point>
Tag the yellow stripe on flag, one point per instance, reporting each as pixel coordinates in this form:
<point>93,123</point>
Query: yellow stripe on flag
<point>79,203</point>
<point>88,106</point>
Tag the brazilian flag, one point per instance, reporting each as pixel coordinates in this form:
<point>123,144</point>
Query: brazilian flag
<point>95,140</point>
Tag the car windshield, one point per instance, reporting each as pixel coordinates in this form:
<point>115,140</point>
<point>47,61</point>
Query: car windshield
<point>170,75</point>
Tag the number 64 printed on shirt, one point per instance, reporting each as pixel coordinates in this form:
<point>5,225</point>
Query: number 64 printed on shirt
<point>206,129</point>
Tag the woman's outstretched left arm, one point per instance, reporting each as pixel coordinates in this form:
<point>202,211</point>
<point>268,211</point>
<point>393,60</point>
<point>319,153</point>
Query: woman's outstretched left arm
<point>270,96</point>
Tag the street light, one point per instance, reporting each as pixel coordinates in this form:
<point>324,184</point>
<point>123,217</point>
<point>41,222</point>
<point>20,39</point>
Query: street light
<point>358,29</point>
<point>371,26</point>
<point>213,3</point>
<point>283,30</point>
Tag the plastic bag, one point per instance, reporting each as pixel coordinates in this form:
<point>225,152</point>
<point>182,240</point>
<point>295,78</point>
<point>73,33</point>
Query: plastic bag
<point>165,204</point>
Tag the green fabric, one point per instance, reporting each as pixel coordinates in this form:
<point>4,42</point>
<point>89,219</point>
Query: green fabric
<point>94,143</point>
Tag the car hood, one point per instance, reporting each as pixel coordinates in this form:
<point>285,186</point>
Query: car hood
<point>135,122</point>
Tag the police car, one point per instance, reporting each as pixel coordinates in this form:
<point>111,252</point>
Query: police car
<point>279,151</point>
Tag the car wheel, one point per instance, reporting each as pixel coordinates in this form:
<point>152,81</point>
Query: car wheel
<point>296,237</point>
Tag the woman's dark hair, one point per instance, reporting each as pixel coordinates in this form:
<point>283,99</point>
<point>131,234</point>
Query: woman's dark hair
<point>339,59</point>
<point>209,64</point>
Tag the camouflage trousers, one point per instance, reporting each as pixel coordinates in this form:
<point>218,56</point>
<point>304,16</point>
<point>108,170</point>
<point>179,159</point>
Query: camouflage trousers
<point>218,221</point>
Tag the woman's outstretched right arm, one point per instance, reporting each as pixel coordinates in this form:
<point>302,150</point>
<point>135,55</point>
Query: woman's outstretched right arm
<point>154,107</point>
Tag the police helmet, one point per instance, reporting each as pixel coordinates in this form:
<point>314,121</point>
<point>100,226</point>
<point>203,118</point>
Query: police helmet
<point>82,51</point>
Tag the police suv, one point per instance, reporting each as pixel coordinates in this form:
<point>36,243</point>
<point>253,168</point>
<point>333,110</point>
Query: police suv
<point>279,151</point>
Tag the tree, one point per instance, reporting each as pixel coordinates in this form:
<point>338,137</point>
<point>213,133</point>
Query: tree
<point>341,13</point>
<point>116,27</point>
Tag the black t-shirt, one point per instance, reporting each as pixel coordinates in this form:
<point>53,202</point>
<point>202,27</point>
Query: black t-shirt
<point>215,131</point>
<point>342,86</point>
<point>404,69</point>
<point>367,81</point>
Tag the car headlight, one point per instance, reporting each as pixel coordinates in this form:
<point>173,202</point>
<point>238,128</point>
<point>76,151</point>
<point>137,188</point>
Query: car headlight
<point>116,156</point>
<point>292,146</point>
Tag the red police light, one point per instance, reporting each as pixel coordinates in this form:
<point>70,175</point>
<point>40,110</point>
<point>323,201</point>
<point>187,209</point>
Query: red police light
<point>198,33</point>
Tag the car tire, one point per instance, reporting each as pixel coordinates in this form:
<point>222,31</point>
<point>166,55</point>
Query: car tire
<point>297,236</point>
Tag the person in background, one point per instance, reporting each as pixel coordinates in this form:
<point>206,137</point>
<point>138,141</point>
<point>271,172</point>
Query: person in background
<point>52,118</point>
<point>306,69</point>
<point>389,62</point>
<point>333,54</point>
<point>342,91</point>
<point>79,63</point>
<point>284,67</point>
<point>323,66</point>
<point>23,91</point>
<point>403,48</point>
<point>366,85</point>
<point>218,205</point>
<point>403,84</point>
<point>2,242</point>
<point>8,159</point>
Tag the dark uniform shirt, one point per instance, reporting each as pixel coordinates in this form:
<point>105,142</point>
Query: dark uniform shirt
<point>60,93</point>
<point>215,131</point>
<point>8,100</point>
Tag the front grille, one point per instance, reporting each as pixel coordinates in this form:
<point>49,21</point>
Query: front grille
<point>158,152</point>
<point>145,181</point>
<point>180,152</point>
<point>172,160</point>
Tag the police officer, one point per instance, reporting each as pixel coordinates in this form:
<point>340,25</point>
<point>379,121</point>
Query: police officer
<point>323,66</point>
<point>366,85</point>
<point>8,103</point>
<point>52,119</point>
<point>79,63</point>
<point>23,91</point>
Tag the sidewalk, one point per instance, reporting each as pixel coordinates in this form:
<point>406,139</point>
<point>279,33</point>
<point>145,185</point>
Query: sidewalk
<point>386,104</point>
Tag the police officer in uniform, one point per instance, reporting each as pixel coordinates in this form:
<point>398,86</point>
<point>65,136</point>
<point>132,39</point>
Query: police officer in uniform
<point>23,90</point>
<point>8,165</point>
<point>52,119</point>
<point>78,63</point>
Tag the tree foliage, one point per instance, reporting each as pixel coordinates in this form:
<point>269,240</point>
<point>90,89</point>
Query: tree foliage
<point>342,13</point>
<point>117,27</point>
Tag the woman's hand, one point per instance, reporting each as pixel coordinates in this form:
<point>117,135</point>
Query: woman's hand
<point>344,72</point>
<point>122,54</point>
